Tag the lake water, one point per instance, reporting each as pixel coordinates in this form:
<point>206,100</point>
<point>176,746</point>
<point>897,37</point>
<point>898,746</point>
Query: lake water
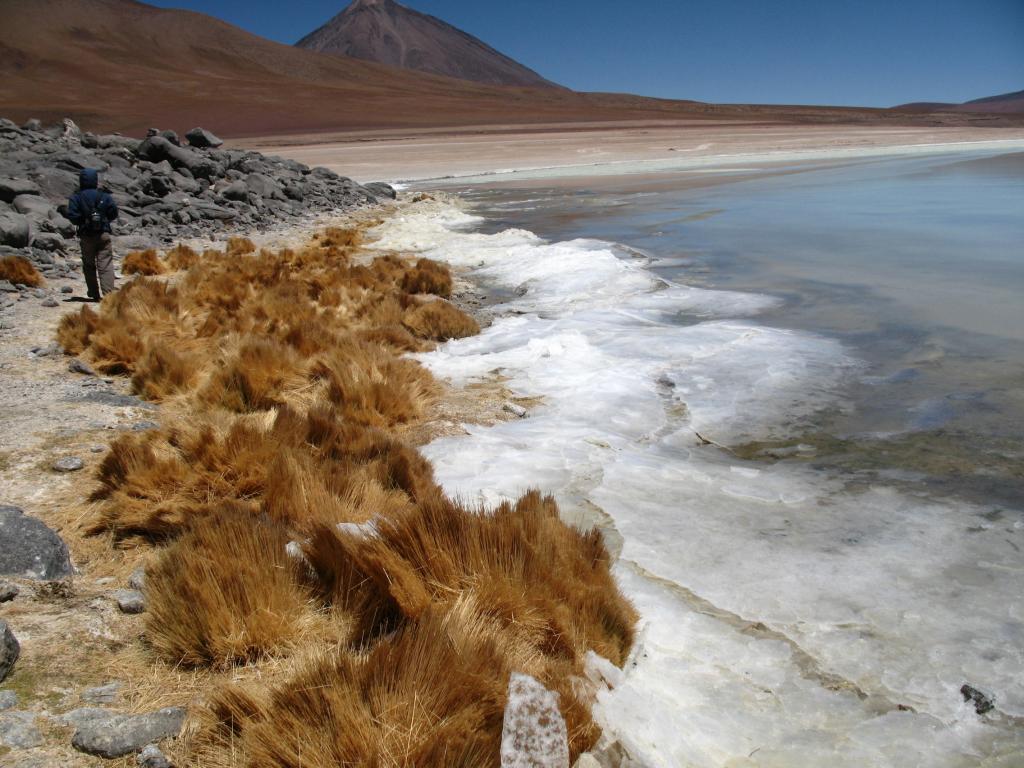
<point>793,396</point>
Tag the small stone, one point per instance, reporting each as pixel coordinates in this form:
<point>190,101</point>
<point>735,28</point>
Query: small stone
<point>67,289</point>
<point>130,601</point>
<point>102,694</point>
<point>77,366</point>
<point>115,735</point>
<point>9,650</point>
<point>152,757</point>
<point>515,410</point>
<point>18,730</point>
<point>8,700</point>
<point>50,302</point>
<point>68,464</point>
<point>983,703</point>
<point>8,591</point>
<point>50,350</point>
<point>143,426</point>
<point>97,449</point>
<point>137,580</point>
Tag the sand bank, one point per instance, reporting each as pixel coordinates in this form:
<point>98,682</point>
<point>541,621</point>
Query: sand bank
<point>492,155</point>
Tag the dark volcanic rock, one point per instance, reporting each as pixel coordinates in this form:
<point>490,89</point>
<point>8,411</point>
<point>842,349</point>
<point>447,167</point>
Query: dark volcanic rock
<point>982,702</point>
<point>152,757</point>
<point>380,189</point>
<point>29,549</point>
<point>9,650</point>
<point>11,188</point>
<point>111,735</point>
<point>130,601</point>
<point>202,139</point>
<point>15,230</point>
<point>8,591</point>
<point>166,192</point>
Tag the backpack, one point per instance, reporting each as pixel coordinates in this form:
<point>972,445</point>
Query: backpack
<point>94,220</point>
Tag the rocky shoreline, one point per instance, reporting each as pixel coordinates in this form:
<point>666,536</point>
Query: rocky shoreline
<point>167,190</point>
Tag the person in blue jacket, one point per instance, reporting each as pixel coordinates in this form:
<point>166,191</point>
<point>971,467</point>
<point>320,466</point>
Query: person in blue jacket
<point>91,210</point>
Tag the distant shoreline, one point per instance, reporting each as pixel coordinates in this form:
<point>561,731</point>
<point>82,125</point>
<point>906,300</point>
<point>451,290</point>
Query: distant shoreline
<point>560,152</point>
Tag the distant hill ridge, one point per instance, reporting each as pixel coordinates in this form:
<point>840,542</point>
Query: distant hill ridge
<point>1004,103</point>
<point>390,33</point>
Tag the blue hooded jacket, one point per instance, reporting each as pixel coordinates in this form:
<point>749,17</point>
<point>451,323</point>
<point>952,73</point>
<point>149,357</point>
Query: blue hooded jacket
<point>90,198</point>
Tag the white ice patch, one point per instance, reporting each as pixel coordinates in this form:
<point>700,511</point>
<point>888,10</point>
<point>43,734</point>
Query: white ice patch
<point>874,607</point>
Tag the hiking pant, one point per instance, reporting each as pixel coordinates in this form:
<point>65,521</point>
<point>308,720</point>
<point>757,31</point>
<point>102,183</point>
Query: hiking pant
<point>97,259</point>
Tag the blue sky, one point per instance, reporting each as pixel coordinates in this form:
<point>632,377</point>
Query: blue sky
<point>856,52</point>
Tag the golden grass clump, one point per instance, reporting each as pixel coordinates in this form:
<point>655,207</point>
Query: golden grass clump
<point>75,330</point>
<point>300,535</point>
<point>439,321</point>
<point>428,276</point>
<point>223,593</point>
<point>143,263</point>
<point>528,567</point>
<point>181,257</point>
<point>239,246</point>
<point>343,237</point>
<point>432,696</point>
<point>19,271</point>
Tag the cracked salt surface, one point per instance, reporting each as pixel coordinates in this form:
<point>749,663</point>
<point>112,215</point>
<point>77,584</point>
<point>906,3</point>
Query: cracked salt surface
<point>788,621</point>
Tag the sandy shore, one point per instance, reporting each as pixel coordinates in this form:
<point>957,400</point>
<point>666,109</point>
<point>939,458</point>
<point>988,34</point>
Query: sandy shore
<point>493,154</point>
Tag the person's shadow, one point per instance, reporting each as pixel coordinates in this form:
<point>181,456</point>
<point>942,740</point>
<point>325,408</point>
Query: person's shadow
<point>80,300</point>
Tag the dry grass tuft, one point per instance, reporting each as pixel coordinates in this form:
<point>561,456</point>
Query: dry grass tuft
<point>19,271</point>
<point>181,257</point>
<point>387,636</point>
<point>341,237</point>
<point>431,696</point>
<point>440,321</point>
<point>239,246</point>
<point>143,263</point>
<point>75,330</point>
<point>428,276</point>
<point>224,593</point>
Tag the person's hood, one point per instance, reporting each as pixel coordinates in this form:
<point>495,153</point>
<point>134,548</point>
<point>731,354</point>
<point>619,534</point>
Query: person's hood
<point>89,178</point>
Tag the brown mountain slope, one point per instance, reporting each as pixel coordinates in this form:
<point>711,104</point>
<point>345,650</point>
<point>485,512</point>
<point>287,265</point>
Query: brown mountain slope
<point>390,33</point>
<point>120,65</point>
<point>1004,103</point>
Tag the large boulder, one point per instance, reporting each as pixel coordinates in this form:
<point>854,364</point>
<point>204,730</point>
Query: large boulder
<point>49,241</point>
<point>15,230</point>
<point>264,186</point>
<point>32,204</point>
<point>109,735</point>
<point>202,138</point>
<point>380,189</point>
<point>9,650</point>
<point>28,549</point>
<point>237,191</point>
<point>12,188</point>
<point>157,148</point>
<point>55,183</point>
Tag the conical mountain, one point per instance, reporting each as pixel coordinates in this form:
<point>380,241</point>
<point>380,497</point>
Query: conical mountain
<point>390,33</point>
